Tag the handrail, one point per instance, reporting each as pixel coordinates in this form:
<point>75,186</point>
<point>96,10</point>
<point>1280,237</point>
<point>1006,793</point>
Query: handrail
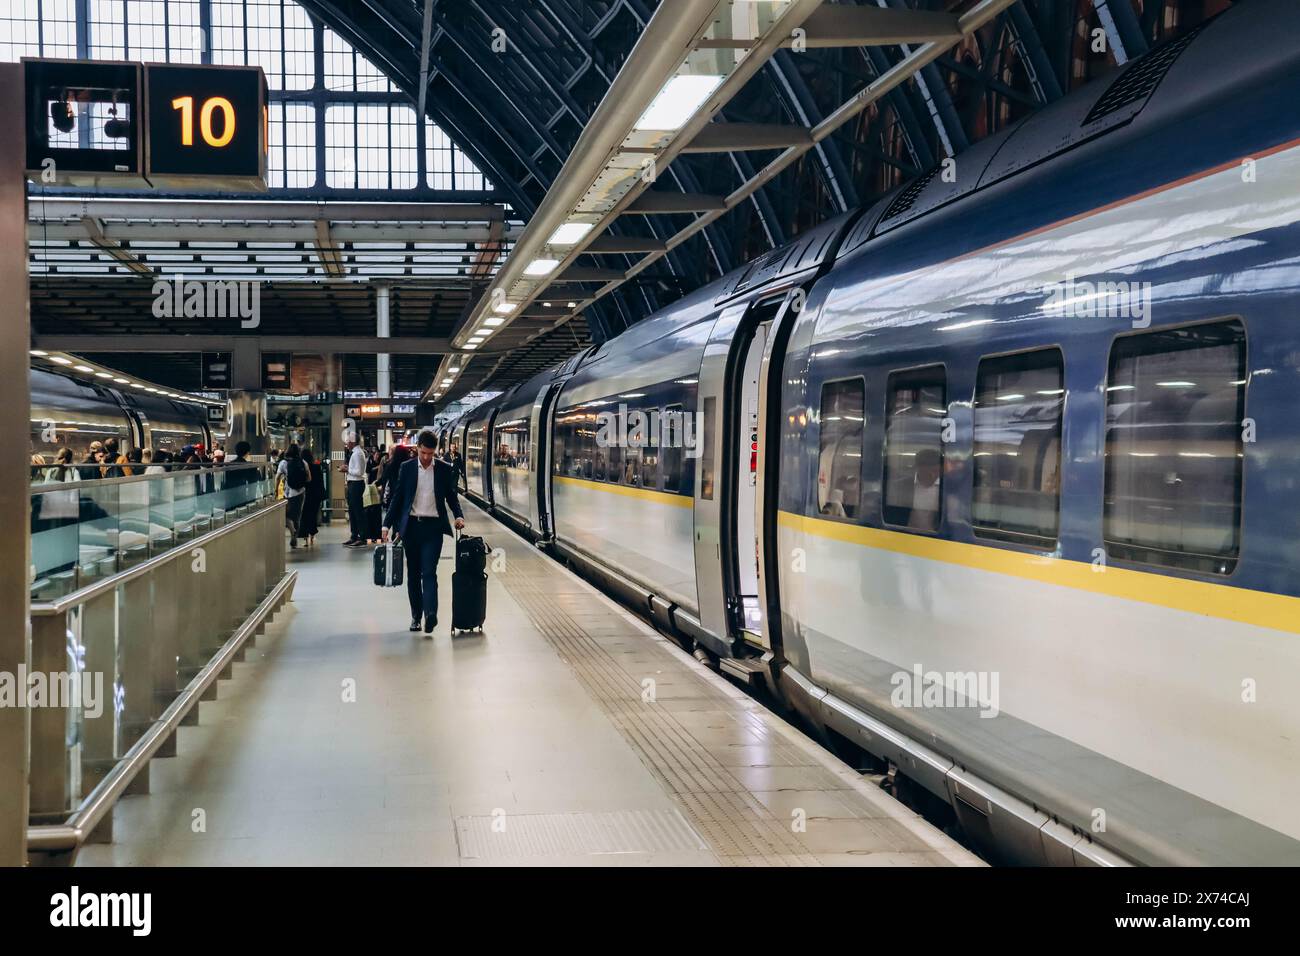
<point>90,591</point>
<point>78,827</point>
<point>38,487</point>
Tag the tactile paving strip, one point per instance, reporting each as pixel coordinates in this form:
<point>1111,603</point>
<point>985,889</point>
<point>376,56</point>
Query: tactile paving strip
<point>553,834</point>
<point>739,829</point>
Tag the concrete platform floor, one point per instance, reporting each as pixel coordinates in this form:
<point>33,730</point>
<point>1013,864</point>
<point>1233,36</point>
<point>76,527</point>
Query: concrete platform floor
<point>568,733</point>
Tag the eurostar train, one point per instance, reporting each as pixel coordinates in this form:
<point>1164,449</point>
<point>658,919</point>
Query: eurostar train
<point>83,411</point>
<point>997,478</point>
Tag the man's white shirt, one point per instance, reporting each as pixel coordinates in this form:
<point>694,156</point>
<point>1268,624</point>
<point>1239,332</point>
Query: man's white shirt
<point>357,465</point>
<point>425,504</point>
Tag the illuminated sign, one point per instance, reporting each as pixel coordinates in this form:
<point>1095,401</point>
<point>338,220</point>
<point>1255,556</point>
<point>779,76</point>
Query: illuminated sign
<point>277,369</point>
<point>373,409</point>
<point>83,123</point>
<point>206,124</point>
<point>123,124</point>
<point>216,370</point>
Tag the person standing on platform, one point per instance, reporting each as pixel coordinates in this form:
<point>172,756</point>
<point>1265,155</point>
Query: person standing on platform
<point>296,478</point>
<point>355,469</point>
<point>419,514</point>
<point>315,496</point>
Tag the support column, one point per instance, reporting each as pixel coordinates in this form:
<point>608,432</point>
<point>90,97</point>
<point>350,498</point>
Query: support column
<point>383,376</point>
<point>15,403</point>
<point>248,423</point>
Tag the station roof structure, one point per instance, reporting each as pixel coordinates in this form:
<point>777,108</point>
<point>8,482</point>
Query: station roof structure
<point>416,144</point>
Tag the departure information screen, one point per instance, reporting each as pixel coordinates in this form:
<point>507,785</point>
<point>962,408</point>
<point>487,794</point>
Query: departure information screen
<point>206,121</point>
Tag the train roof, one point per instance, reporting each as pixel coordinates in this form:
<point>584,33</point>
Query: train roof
<point>1230,51</point>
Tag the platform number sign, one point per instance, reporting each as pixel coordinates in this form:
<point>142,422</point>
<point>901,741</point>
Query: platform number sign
<point>206,123</point>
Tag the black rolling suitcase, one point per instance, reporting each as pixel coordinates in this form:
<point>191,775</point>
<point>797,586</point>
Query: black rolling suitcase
<point>469,584</point>
<point>389,561</point>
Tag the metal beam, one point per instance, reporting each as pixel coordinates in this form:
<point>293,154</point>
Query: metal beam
<point>252,210</point>
<point>327,251</point>
<point>425,33</point>
<point>224,232</point>
<point>95,231</point>
<point>846,25</point>
<point>657,202</point>
<point>349,344</point>
<point>589,274</point>
<point>613,245</point>
<point>972,20</point>
<point>738,137</point>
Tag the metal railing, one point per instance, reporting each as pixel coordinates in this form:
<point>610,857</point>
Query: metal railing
<point>125,658</point>
<point>85,530</point>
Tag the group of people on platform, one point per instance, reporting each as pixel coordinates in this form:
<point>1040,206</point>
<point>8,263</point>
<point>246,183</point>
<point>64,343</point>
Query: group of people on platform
<point>106,459</point>
<point>371,481</point>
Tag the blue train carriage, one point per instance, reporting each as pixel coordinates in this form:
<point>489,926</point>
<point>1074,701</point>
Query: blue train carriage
<point>1037,532</point>
<point>653,466</point>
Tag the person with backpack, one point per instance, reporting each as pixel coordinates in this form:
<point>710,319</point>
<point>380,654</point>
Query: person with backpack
<point>295,475</point>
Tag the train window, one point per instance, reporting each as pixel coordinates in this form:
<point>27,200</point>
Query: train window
<point>671,435</point>
<point>1175,402</point>
<point>562,463</point>
<point>615,451</point>
<point>650,449</point>
<point>839,459</point>
<point>706,453</point>
<point>916,406</point>
<point>587,445</point>
<point>1019,400</point>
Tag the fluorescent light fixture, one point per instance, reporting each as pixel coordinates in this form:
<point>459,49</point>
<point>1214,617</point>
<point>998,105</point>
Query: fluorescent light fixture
<point>122,381</point>
<point>547,304</point>
<point>102,375</point>
<point>493,320</point>
<point>83,368</point>
<point>504,308</point>
<point>469,347</point>
<point>454,368</point>
<point>1176,384</point>
<point>569,233</point>
<point>541,267</point>
<point>39,353</point>
<point>678,101</point>
<point>60,360</point>
<point>573,305</point>
<point>484,333</point>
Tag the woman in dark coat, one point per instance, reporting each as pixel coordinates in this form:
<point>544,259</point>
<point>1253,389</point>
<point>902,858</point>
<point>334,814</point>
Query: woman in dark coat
<point>315,495</point>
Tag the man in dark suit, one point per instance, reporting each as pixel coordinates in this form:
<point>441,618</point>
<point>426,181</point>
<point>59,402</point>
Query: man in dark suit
<point>418,514</point>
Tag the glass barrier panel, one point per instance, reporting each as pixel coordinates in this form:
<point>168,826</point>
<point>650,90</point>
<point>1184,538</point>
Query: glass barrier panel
<point>97,534</point>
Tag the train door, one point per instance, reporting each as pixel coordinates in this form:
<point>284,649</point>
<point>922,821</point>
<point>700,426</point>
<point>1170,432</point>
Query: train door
<point>540,461</point>
<point>748,618</point>
<point>726,527</point>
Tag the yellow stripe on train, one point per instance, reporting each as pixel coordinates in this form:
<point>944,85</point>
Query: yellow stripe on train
<point>645,494</point>
<point>1259,608</point>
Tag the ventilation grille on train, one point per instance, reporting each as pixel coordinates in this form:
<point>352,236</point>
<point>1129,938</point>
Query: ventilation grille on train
<point>1142,77</point>
<point>907,198</point>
